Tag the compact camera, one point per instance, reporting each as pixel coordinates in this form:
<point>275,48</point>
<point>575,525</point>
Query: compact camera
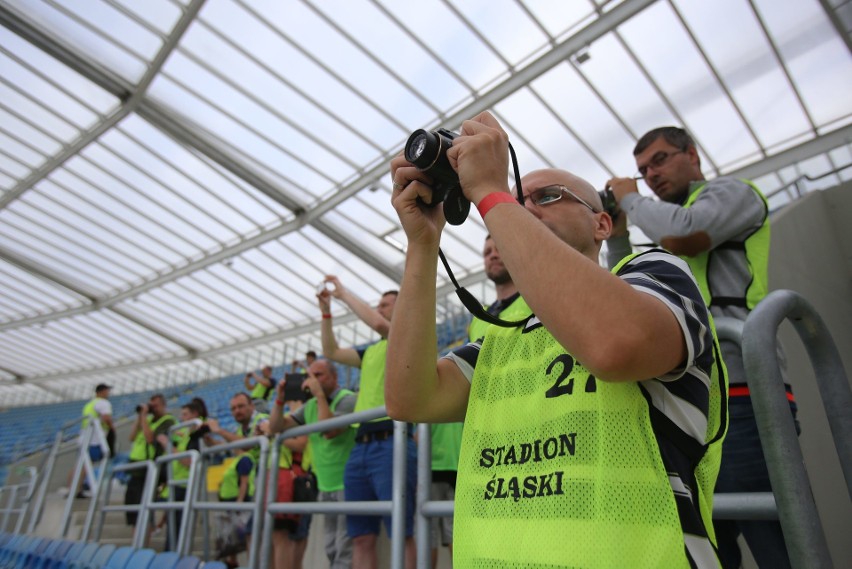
<point>427,150</point>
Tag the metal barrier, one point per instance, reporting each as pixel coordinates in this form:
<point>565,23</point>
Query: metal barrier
<point>395,508</point>
<point>95,477</point>
<point>797,512</point>
<point>19,496</point>
<point>172,484</point>
<point>141,508</point>
<point>255,507</point>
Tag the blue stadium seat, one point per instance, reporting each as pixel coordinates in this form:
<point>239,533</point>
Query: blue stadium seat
<point>46,547</point>
<point>141,559</point>
<point>188,562</point>
<point>56,550</point>
<point>82,557</point>
<point>61,559</point>
<point>165,560</point>
<point>214,565</point>
<point>99,559</point>
<point>119,558</point>
<point>19,552</point>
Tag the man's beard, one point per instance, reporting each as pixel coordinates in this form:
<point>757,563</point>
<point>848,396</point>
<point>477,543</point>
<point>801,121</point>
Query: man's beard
<point>500,277</point>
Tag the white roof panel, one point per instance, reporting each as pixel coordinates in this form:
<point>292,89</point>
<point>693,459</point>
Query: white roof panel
<point>176,178</point>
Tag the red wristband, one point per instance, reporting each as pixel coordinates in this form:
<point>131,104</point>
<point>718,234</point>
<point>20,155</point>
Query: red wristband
<point>279,403</point>
<point>326,316</point>
<point>492,199</point>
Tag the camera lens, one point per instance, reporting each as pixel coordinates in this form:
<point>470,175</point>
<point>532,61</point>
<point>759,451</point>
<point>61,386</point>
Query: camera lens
<point>422,149</point>
<point>418,145</point>
<point>138,408</point>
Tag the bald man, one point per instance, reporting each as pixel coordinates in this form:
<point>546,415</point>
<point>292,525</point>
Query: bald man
<point>592,430</point>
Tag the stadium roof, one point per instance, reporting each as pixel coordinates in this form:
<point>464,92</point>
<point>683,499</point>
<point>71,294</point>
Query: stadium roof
<point>176,177</point>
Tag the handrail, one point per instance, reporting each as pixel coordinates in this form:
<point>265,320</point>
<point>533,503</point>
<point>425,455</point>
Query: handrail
<point>395,508</point>
<point>171,506</point>
<point>259,489</point>
<point>797,512</point>
<point>10,507</point>
<point>171,529</point>
<point>141,508</point>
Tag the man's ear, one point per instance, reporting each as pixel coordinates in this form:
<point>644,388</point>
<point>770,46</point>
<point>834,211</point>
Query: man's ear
<point>694,158</point>
<point>603,229</point>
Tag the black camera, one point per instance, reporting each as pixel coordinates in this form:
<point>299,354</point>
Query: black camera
<point>427,150</point>
<point>138,408</point>
<point>609,204</point>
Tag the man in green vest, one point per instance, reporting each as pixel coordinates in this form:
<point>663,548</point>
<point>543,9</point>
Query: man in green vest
<point>507,292</point>
<point>260,388</point>
<point>591,430</point>
<point>97,412</point>
<point>152,420</point>
<point>721,229</point>
<point>368,470</point>
<point>330,449</point>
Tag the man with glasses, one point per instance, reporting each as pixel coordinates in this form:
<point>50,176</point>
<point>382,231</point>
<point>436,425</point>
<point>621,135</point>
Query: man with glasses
<point>592,430</point>
<point>721,229</point>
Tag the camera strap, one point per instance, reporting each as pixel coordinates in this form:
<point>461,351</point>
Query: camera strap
<point>473,306</point>
<point>467,299</point>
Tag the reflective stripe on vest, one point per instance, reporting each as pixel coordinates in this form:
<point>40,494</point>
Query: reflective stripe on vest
<point>756,251</point>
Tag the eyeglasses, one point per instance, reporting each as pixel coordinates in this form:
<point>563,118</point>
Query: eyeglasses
<point>657,161</point>
<point>552,194</point>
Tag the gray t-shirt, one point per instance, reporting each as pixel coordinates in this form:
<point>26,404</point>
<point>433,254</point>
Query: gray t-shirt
<point>726,210</point>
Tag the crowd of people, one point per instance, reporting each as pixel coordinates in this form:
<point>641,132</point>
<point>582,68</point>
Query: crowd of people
<point>590,433</point>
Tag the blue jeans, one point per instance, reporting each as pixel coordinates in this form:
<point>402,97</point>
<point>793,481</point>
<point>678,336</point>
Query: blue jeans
<point>743,469</point>
<point>369,476</point>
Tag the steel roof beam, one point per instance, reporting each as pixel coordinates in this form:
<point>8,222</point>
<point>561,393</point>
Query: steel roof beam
<point>51,277</point>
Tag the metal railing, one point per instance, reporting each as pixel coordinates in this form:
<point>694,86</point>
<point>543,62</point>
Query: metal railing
<point>255,506</point>
<point>792,503</point>
<point>395,508</point>
<point>797,511</point>
<point>18,497</point>
<point>172,484</point>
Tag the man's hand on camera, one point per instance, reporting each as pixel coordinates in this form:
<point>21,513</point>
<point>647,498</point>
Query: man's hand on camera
<point>621,187</point>
<point>422,224</point>
<point>143,409</point>
<point>336,290</point>
<point>480,155</point>
<point>311,384</point>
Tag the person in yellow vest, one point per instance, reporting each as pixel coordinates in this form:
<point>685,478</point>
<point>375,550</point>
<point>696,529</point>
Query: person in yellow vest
<point>97,412</point>
<point>720,228</point>
<point>183,439</point>
<point>238,485</point>
<point>261,388</point>
<point>330,449</point>
<point>369,468</point>
<point>250,423</point>
<point>592,430</point>
<point>152,420</point>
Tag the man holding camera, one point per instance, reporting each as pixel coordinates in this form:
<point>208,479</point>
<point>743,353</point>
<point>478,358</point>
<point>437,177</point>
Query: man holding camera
<point>592,430</point>
<point>260,388</point>
<point>368,470</point>
<point>330,449</point>
<point>152,420</point>
<point>721,229</point>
